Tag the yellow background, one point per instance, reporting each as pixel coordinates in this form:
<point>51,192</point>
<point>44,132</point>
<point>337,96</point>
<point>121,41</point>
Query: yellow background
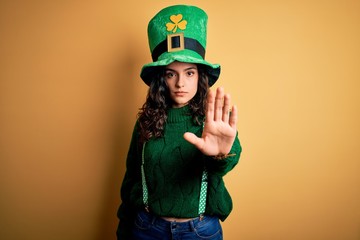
<point>70,91</point>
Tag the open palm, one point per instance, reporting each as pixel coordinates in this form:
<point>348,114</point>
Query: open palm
<point>220,125</point>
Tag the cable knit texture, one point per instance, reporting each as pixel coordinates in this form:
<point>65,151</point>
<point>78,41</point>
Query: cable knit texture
<point>173,170</point>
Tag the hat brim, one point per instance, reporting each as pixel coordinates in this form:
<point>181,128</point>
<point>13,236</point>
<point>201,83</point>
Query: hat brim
<point>151,69</point>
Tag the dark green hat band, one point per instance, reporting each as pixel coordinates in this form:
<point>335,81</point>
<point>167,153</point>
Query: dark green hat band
<point>175,42</point>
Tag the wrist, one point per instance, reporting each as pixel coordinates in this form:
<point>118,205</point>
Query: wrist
<point>223,156</point>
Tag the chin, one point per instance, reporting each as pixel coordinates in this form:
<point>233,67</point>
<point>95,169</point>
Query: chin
<point>180,104</point>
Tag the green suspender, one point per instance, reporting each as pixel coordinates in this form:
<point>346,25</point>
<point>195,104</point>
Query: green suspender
<point>144,186</point>
<point>203,193</point>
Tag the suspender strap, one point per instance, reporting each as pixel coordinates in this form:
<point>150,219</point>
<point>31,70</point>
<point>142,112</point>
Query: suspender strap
<point>203,189</point>
<point>203,193</point>
<point>144,186</point>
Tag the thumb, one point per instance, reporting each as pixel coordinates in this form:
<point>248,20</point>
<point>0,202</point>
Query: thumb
<point>193,139</point>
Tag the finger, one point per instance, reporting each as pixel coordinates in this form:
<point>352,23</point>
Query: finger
<point>193,139</point>
<point>226,108</point>
<point>233,117</point>
<point>210,106</point>
<point>219,100</point>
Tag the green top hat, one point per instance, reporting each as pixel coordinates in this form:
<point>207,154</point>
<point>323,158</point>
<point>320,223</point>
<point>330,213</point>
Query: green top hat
<point>178,33</point>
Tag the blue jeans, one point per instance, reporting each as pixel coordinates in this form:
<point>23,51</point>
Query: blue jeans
<point>150,227</point>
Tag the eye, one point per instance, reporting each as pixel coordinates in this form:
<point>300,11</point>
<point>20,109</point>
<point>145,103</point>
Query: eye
<point>169,74</point>
<point>190,73</point>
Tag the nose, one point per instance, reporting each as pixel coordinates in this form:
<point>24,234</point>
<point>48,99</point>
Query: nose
<point>180,81</point>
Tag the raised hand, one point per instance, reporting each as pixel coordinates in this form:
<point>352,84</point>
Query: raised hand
<point>220,125</point>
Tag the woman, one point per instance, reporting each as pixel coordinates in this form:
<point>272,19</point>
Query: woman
<point>184,140</point>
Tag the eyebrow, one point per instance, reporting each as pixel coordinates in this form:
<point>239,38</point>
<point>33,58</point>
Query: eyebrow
<point>186,69</point>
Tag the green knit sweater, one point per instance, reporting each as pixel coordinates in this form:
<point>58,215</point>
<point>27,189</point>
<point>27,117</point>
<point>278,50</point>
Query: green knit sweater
<point>173,170</point>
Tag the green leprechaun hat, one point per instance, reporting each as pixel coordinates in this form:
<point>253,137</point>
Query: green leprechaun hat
<point>178,33</point>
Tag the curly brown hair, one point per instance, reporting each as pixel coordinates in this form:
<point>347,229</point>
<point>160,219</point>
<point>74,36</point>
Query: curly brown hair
<point>152,115</point>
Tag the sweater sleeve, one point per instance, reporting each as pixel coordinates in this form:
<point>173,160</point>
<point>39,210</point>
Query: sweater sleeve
<point>127,210</point>
<point>221,167</point>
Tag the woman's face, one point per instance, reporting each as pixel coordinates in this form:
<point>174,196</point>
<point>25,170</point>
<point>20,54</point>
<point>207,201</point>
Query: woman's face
<point>182,80</point>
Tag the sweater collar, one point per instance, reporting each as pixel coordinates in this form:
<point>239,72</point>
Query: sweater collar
<point>179,114</point>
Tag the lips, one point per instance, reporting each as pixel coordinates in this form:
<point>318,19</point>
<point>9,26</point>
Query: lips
<point>180,93</point>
